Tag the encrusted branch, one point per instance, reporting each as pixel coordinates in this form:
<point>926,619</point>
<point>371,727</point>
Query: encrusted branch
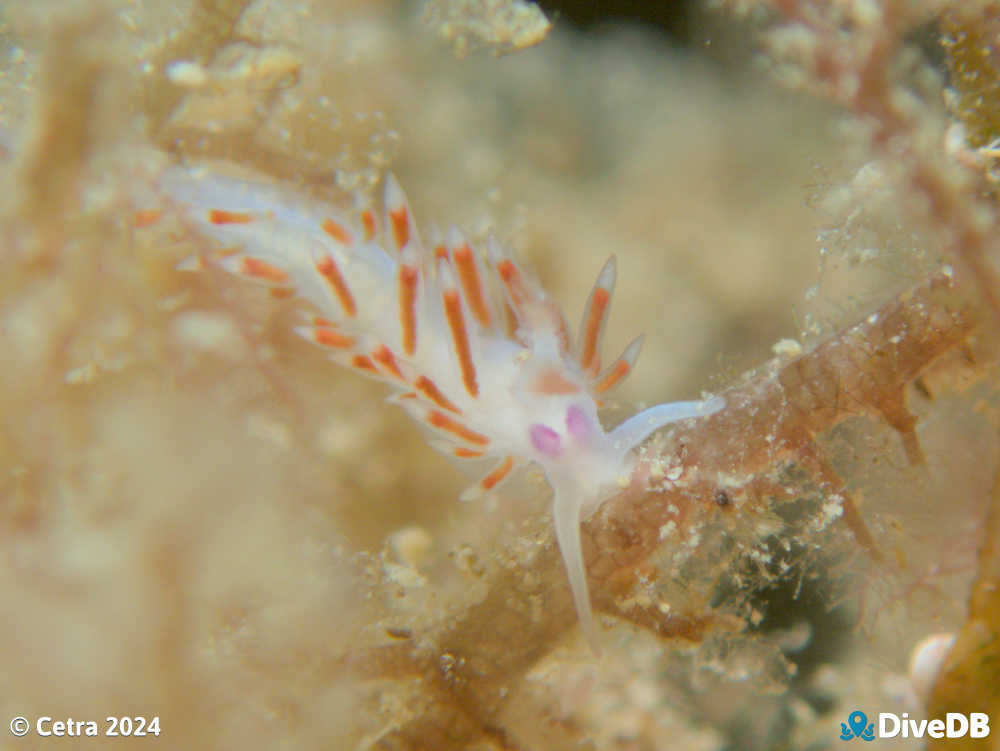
<point>722,464</point>
<point>774,418</point>
<point>854,71</point>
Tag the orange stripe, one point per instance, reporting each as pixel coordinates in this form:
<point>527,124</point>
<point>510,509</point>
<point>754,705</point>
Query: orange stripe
<point>331,272</point>
<point>218,216</point>
<point>383,356</point>
<point>468,275</point>
<point>440,251</point>
<point>510,318</point>
<point>463,453</point>
<point>562,330</point>
<point>337,232</point>
<point>496,476</point>
<point>263,270</point>
<point>408,307</point>
<point>362,362</point>
<point>282,293</point>
<point>595,321</point>
<point>330,338</point>
<point>325,322</point>
<point>147,217</point>
<point>368,222</point>
<point>619,371</point>
<point>460,337</point>
<point>428,388</point>
<point>551,381</point>
<point>400,221</point>
<point>443,422</point>
<point>511,277</point>
<point>223,253</point>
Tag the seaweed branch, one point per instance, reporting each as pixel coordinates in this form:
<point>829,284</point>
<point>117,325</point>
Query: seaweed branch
<point>772,418</point>
<point>854,70</point>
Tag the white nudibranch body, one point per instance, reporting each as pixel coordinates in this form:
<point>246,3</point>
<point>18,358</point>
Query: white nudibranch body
<point>472,346</point>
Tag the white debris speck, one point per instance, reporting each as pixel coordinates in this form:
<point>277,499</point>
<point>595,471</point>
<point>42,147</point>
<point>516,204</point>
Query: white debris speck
<point>668,529</point>
<point>504,25</point>
<point>468,562</point>
<point>410,545</point>
<point>83,374</point>
<point>207,331</point>
<point>832,510</point>
<point>787,348</point>
<point>657,469</point>
<point>405,576</point>
<point>926,661</point>
<point>187,74</point>
<point>174,302</point>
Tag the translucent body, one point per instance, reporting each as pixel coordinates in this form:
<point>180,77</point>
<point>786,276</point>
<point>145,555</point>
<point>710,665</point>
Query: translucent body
<point>472,346</point>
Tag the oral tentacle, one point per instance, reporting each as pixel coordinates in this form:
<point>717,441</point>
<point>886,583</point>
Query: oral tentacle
<point>638,428</point>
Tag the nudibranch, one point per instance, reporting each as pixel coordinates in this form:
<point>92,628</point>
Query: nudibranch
<point>471,345</point>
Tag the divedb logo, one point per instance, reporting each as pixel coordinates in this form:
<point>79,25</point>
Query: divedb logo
<point>954,725</point>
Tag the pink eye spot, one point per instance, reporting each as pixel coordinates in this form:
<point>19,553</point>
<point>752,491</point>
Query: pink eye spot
<point>577,423</point>
<point>545,440</point>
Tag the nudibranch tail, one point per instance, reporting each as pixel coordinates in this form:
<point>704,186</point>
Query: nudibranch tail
<point>566,514</point>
